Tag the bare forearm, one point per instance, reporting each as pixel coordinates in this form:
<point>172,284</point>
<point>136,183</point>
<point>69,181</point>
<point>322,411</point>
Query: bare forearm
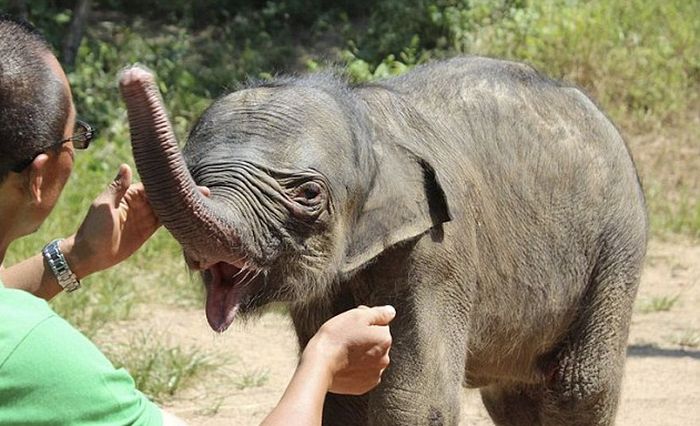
<point>347,355</point>
<point>302,402</point>
<point>34,275</point>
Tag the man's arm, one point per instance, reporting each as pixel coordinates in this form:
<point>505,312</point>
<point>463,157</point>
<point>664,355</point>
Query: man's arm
<point>32,275</point>
<point>347,356</point>
<point>119,221</point>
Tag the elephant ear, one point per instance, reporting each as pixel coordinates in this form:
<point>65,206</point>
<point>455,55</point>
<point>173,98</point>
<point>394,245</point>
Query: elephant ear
<point>406,200</point>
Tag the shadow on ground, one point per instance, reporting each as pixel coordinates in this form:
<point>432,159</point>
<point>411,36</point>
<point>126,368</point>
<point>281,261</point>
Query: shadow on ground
<point>654,351</point>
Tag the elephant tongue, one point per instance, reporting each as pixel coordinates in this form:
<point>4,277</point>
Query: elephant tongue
<point>224,295</point>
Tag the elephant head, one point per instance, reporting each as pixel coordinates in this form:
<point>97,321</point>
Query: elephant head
<point>305,188</point>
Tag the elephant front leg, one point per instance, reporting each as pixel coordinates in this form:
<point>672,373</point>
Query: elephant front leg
<point>345,410</point>
<point>423,384</point>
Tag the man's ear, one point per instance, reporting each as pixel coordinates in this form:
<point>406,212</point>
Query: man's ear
<point>36,176</point>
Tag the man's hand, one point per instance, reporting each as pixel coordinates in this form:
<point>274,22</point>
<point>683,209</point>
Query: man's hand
<point>347,355</point>
<point>355,347</point>
<point>119,221</point>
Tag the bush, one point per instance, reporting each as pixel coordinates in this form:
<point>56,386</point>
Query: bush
<point>639,58</point>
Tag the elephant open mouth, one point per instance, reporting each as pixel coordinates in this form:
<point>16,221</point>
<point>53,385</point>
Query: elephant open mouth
<point>228,287</point>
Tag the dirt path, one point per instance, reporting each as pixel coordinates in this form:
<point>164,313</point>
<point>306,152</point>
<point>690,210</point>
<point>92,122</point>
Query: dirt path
<point>662,377</point>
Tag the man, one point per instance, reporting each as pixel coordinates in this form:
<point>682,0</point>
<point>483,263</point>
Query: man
<point>49,372</point>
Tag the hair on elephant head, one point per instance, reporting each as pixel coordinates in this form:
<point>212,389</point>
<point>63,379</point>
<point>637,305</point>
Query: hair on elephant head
<point>304,187</point>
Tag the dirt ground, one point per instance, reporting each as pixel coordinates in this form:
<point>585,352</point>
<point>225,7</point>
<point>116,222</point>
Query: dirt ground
<point>662,376</point>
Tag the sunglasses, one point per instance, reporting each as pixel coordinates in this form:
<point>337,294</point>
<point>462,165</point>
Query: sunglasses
<point>83,134</point>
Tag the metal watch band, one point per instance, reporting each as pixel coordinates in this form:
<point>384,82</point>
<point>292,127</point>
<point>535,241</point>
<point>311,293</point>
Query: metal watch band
<point>57,262</point>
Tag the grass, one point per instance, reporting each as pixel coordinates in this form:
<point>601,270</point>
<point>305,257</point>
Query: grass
<point>658,304</point>
<point>159,368</point>
<point>252,379</point>
<point>674,211</point>
<point>213,408</point>
<point>668,160</point>
<point>689,338</point>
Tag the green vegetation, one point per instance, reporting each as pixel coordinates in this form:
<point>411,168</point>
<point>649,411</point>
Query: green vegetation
<point>640,59</point>
<point>687,339</point>
<point>658,304</point>
<point>601,45</point>
<point>252,379</point>
<point>158,368</point>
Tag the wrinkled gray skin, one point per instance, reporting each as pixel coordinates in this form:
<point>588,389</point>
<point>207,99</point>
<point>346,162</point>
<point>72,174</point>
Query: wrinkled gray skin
<point>497,210</point>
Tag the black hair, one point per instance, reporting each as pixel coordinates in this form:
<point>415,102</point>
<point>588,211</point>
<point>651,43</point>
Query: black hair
<point>34,103</point>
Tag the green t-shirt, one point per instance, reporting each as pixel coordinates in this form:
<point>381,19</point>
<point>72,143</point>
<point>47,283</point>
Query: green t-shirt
<point>50,374</point>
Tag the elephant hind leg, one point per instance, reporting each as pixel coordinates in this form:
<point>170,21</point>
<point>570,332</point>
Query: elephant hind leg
<point>584,375</point>
<point>587,371</point>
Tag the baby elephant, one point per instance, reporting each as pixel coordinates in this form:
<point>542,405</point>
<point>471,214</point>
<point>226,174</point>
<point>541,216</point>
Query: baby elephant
<point>499,211</point>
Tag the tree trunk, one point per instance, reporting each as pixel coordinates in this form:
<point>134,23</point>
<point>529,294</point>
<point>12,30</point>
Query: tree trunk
<point>75,34</point>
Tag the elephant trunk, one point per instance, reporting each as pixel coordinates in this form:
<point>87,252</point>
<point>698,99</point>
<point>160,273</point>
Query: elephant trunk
<point>204,233</point>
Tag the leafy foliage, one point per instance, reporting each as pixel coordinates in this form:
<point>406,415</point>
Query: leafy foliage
<point>600,45</point>
<point>200,48</point>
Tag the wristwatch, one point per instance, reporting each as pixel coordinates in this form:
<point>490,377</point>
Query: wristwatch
<point>57,262</point>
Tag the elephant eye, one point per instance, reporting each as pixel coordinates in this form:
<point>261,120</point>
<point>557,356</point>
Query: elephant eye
<point>309,191</point>
<point>310,200</point>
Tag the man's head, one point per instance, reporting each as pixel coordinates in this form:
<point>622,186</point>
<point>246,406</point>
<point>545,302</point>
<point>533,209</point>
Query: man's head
<point>35,100</point>
<point>37,118</point>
